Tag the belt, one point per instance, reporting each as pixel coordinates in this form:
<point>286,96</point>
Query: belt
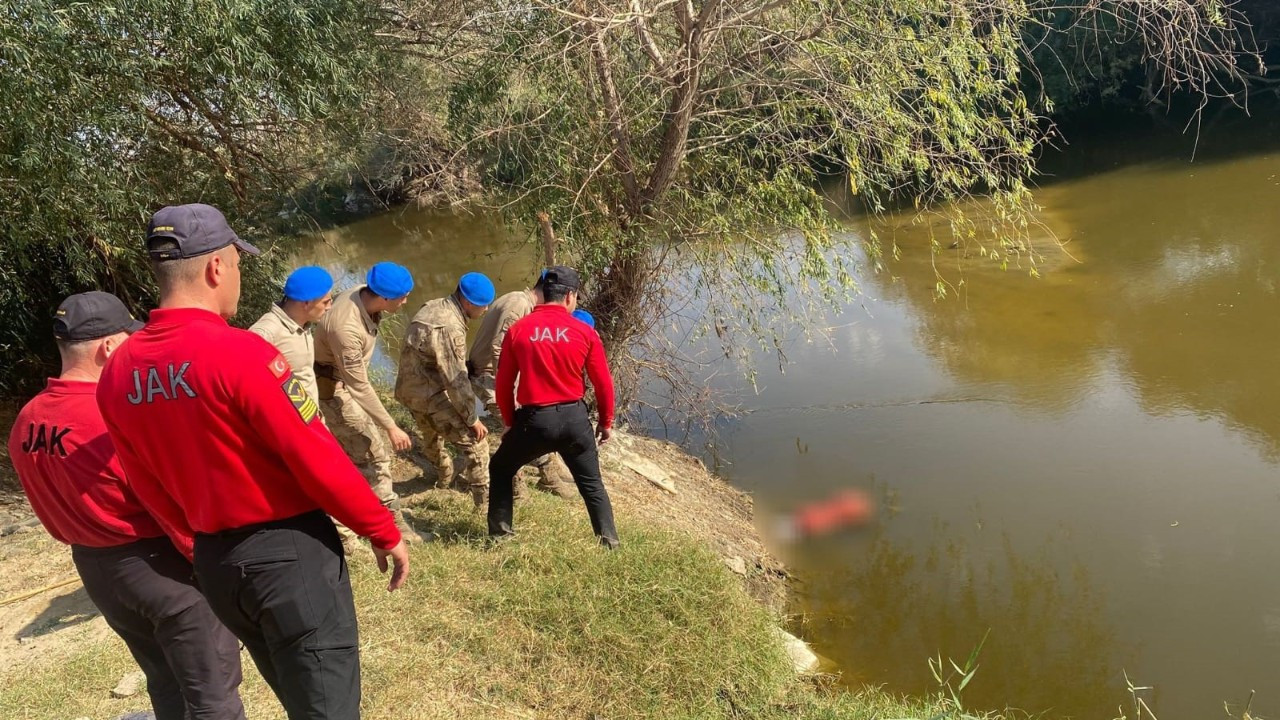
<point>554,406</point>
<point>295,522</point>
<point>129,548</point>
<point>326,380</point>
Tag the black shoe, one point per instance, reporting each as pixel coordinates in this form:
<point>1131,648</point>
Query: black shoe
<point>501,539</point>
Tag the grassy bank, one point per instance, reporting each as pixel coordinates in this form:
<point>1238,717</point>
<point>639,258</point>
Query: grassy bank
<point>546,626</point>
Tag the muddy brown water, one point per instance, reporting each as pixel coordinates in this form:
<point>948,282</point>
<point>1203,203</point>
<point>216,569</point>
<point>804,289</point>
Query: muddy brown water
<point>1084,468</point>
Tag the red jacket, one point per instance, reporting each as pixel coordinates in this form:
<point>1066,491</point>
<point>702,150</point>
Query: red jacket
<point>215,432</point>
<point>71,474</point>
<point>548,349</point>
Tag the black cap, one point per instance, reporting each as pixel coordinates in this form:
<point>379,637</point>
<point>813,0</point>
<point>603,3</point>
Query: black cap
<point>184,231</point>
<point>92,315</point>
<point>562,275</point>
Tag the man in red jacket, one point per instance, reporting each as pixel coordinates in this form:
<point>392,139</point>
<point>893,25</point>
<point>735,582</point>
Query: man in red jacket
<point>547,350</point>
<point>217,435</point>
<point>138,579</point>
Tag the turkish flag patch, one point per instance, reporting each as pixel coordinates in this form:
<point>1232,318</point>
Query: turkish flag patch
<point>279,366</point>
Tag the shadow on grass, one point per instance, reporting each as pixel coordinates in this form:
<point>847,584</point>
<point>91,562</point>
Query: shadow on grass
<point>442,514</point>
<point>63,611</point>
<point>422,475</point>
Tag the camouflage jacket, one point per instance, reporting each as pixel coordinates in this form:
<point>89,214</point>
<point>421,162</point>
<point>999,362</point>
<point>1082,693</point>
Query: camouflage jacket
<point>433,361</point>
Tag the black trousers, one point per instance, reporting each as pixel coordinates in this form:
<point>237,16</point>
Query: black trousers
<point>564,429</point>
<point>148,597</point>
<point>283,589</point>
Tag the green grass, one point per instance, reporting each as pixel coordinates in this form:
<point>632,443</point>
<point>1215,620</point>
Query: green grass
<point>547,625</point>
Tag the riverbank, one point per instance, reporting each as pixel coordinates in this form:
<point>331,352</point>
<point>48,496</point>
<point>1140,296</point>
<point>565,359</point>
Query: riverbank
<point>680,623</point>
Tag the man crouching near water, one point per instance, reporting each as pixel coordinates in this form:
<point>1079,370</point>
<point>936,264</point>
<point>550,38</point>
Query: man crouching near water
<point>432,383</point>
<point>345,340</point>
<point>547,352</point>
<point>136,576</point>
<point>217,435</point>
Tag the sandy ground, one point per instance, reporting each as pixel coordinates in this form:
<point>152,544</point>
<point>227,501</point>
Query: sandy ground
<point>57,616</point>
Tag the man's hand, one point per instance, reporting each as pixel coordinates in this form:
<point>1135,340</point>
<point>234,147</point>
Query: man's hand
<point>399,439</point>
<point>479,431</point>
<point>400,561</point>
<point>603,434</point>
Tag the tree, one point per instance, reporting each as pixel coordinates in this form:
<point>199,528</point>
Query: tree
<point>1138,56</point>
<point>113,110</point>
<point>679,145</point>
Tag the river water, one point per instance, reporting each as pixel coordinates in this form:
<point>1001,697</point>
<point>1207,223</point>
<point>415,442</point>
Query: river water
<point>1083,468</point>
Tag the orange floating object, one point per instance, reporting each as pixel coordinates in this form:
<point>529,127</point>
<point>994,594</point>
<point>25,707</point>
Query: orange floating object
<point>846,509</point>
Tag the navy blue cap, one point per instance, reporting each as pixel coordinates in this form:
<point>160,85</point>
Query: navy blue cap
<point>308,283</point>
<point>562,275</point>
<point>476,288</point>
<point>92,315</point>
<point>389,280</point>
<point>184,231</point>
<point>585,317</point>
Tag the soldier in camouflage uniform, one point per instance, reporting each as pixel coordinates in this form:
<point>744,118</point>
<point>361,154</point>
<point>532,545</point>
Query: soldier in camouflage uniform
<point>433,384</point>
<point>482,366</point>
<point>345,339</point>
<point>482,361</point>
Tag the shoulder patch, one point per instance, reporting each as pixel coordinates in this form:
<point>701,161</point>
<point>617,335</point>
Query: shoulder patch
<point>279,366</point>
<point>302,402</point>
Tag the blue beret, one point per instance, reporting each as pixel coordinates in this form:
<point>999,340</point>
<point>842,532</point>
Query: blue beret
<point>585,317</point>
<point>389,280</point>
<point>476,288</point>
<point>308,283</point>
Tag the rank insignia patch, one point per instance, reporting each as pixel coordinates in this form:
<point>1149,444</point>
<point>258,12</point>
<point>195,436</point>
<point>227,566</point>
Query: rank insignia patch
<point>302,402</point>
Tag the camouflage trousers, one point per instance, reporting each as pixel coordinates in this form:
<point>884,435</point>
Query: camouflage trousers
<point>443,425</point>
<point>553,476</point>
<point>364,442</point>
<point>482,385</point>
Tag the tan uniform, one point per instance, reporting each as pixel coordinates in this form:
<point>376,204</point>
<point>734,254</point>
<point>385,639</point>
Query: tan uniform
<point>293,341</point>
<point>432,383</point>
<point>345,339</point>
<point>482,364</point>
<point>487,346</point>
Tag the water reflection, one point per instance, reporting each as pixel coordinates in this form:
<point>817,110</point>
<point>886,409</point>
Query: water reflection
<point>915,602</point>
<point>1115,420</point>
<point>1172,276</point>
<point>437,247</point>
<point>1157,529</point>
<point>1084,463</point>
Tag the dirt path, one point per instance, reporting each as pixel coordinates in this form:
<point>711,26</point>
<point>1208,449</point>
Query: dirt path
<point>47,626</point>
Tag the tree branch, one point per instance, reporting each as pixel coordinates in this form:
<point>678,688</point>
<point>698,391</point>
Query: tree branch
<point>622,157</point>
<point>679,115</point>
<point>235,176</point>
<point>646,39</point>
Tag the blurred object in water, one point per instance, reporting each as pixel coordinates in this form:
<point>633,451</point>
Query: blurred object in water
<point>846,509</point>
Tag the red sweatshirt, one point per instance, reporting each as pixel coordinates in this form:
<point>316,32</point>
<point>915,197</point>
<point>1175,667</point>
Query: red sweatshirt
<point>71,474</point>
<point>216,433</point>
<point>548,349</point>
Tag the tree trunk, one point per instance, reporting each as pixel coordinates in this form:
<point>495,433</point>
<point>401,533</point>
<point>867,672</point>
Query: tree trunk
<point>625,300</point>
<point>548,240</point>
